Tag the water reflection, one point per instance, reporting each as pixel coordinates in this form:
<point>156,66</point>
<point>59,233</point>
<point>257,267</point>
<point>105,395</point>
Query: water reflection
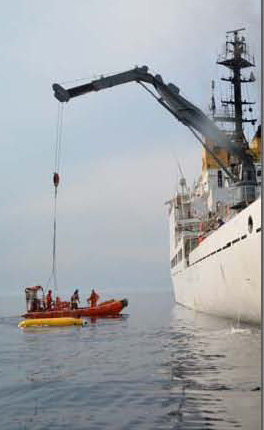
<point>214,372</point>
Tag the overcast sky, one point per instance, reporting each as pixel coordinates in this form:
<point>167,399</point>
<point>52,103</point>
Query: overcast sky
<point>119,149</point>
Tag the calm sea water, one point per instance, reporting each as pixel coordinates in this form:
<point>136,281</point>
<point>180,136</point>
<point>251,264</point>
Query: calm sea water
<point>160,366</point>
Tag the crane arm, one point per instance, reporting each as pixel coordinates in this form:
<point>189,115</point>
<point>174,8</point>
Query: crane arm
<point>136,74</point>
<point>169,96</point>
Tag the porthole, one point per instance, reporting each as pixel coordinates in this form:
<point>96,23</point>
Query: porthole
<point>250,224</point>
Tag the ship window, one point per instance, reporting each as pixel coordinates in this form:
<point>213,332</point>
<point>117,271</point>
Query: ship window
<point>250,224</point>
<point>194,243</point>
<point>220,178</point>
<point>180,255</point>
<point>189,246</point>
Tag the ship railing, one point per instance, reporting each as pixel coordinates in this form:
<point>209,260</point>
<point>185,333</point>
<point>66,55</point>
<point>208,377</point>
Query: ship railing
<point>224,115</point>
<point>184,220</point>
<point>243,195</point>
<point>191,234</point>
<point>245,56</point>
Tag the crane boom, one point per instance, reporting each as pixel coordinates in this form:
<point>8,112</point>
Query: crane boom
<point>168,95</point>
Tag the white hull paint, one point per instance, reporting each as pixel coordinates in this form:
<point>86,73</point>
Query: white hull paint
<point>226,283</point>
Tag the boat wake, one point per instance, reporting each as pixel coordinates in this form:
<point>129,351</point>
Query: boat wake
<point>238,330</point>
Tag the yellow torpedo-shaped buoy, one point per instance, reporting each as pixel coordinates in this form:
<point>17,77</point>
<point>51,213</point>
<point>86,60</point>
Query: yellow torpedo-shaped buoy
<point>57,322</point>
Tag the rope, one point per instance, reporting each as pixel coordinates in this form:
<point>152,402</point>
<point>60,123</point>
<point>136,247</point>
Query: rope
<point>59,129</point>
<point>58,137</point>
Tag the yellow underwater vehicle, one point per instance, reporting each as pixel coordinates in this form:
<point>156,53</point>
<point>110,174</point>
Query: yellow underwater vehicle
<point>57,322</point>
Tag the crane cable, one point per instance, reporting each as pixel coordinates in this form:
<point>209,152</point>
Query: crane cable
<point>56,180</point>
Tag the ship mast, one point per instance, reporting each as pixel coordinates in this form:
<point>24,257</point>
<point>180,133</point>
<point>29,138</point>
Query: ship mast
<point>236,58</point>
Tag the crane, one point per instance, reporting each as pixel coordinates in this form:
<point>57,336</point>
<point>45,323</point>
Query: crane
<point>168,95</point>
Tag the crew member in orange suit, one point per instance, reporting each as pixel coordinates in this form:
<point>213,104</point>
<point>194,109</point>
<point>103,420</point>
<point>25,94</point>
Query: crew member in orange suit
<point>94,297</point>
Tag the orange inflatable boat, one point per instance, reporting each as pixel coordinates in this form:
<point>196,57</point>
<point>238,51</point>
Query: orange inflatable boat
<point>60,309</point>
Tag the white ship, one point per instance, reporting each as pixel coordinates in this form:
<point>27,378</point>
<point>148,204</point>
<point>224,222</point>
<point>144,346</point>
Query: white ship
<point>215,269</point>
<point>215,235</point>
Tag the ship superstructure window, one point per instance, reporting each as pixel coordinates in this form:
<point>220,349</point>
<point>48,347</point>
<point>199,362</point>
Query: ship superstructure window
<point>193,243</point>
<point>180,255</point>
<point>220,178</point>
<point>190,245</point>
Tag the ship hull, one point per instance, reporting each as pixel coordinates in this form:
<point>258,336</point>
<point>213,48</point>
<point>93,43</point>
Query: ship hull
<point>223,276</point>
